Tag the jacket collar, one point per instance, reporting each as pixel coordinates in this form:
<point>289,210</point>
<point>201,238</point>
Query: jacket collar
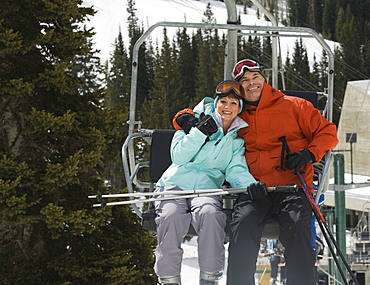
<point>269,96</point>
<point>236,125</point>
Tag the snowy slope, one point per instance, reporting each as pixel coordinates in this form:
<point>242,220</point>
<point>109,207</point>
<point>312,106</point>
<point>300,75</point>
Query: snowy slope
<point>190,269</point>
<point>112,15</point>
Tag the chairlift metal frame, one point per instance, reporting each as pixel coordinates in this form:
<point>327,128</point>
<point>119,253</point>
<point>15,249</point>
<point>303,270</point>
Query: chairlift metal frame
<point>131,167</point>
<point>128,155</point>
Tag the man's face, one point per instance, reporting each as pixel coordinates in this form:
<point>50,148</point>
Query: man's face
<point>252,83</point>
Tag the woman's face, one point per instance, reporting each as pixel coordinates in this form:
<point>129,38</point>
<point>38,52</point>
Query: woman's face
<point>228,108</point>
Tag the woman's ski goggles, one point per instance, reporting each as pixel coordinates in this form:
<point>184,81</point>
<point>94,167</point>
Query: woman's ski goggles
<point>244,64</point>
<point>230,86</point>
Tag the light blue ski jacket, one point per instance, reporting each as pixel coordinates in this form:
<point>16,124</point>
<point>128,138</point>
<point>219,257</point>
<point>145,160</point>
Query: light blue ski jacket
<point>197,165</point>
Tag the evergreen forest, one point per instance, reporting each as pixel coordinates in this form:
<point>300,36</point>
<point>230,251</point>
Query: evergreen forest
<point>64,118</point>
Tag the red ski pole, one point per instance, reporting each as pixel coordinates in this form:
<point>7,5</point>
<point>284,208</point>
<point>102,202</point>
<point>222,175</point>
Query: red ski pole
<point>321,221</point>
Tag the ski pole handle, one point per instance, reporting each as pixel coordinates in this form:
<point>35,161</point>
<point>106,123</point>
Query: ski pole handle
<point>285,188</point>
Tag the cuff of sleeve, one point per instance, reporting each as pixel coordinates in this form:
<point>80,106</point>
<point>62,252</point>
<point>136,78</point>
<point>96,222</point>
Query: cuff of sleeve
<point>313,158</point>
<point>174,123</point>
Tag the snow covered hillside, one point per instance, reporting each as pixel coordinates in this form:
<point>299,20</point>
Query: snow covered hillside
<point>112,15</point>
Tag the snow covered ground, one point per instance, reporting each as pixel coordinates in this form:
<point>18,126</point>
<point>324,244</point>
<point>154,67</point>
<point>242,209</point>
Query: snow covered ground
<point>190,268</point>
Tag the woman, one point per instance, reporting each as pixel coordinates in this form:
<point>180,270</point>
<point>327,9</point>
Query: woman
<point>203,158</point>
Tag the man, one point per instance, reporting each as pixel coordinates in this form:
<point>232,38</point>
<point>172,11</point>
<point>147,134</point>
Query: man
<point>277,260</point>
<point>270,115</point>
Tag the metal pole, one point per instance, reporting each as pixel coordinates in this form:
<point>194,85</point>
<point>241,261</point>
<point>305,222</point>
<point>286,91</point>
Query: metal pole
<point>340,221</point>
<point>331,269</point>
<point>231,51</point>
<point>351,164</point>
<point>274,55</point>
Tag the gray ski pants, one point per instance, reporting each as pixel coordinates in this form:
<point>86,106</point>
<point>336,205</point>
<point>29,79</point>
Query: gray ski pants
<point>173,220</point>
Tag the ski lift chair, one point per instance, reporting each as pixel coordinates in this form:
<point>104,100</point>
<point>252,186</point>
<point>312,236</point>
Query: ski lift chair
<point>160,160</point>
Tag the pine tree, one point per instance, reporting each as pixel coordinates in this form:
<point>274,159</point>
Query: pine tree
<point>165,97</point>
<point>329,19</point>
<point>266,59</point>
<point>288,74</point>
<point>117,99</point>
<point>300,66</point>
<point>324,64</point>
<point>298,13</point>
<point>315,74</point>
<point>205,82</point>
<point>341,19</point>
<point>187,66</point>
<point>55,140</point>
<point>218,51</point>
<point>314,14</point>
<point>340,82</point>
<point>145,74</point>
<point>351,43</point>
<point>118,79</point>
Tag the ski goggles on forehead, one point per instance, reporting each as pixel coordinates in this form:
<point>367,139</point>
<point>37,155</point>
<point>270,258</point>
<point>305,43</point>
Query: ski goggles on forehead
<point>230,86</point>
<point>244,65</point>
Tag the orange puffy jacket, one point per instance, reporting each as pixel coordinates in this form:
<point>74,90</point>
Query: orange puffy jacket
<point>280,115</point>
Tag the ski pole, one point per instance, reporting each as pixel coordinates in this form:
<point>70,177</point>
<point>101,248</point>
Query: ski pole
<point>198,193</point>
<point>164,198</point>
<point>286,188</point>
<point>175,192</point>
<point>322,223</point>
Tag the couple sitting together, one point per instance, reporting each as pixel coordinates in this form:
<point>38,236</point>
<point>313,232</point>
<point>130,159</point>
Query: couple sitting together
<point>234,137</point>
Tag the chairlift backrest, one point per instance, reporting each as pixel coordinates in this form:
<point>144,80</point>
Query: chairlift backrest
<point>160,157</point>
<point>310,96</point>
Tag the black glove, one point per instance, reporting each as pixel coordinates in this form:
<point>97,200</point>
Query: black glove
<point>297,159</point>
<point>257,190</point>
<point>206,125</point>
<point>186,121</point>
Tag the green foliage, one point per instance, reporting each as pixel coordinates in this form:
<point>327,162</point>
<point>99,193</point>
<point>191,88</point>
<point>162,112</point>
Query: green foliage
<point>56,138</point>
<point>187,65</point>
<point>166,98</point>
<point>118,79</point>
